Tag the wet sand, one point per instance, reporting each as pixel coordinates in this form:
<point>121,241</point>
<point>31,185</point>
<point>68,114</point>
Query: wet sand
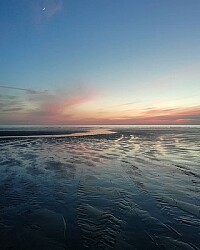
<point>53,133</point>
<point>136,188</point>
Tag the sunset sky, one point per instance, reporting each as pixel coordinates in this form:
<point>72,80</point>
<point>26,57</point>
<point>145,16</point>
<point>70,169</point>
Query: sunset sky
<point>100,62</point>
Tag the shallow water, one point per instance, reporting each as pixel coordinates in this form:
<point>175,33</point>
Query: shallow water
<point>138,188</point>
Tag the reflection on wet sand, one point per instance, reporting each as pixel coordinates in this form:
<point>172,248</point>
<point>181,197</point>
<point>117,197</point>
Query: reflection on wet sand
<point>132,189</point>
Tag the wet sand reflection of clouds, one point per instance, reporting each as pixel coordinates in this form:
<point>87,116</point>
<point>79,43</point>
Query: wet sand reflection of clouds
<point>77,192</point>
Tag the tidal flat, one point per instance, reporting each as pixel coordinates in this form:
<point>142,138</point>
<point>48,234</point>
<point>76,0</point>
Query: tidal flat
<point>134,188</point>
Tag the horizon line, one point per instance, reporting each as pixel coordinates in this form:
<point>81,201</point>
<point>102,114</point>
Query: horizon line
<point>99,125</point>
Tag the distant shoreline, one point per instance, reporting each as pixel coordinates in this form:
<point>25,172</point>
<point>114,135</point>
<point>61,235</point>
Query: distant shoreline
<point>31,134</point>
<point>20,131</point>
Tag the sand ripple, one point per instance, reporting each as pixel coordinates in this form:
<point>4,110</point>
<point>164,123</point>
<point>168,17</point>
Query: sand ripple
<point>133,189</point>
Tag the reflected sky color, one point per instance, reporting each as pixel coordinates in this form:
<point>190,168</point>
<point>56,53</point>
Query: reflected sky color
<point>99,62</point>
<point>141,182</point>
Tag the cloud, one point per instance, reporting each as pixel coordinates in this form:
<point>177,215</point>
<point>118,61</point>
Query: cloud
<point>12,109</point>
<point>10,105</point>
<point>42,107</point>
<point>189,115</point>
<point>167,116</point>
<point>126,104</point>
<point>29,91</point>
<point>73,107</point>
<point>59,104</point>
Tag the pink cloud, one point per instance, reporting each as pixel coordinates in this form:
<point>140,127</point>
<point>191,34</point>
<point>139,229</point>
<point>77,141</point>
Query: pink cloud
<point>190,115</point>
<point>64,107</point>
<point>43,107</point>
<point>52,104</point>
<point>176,116</point>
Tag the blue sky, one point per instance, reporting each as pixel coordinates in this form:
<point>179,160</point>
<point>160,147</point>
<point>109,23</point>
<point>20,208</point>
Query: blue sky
<point>100,55</point>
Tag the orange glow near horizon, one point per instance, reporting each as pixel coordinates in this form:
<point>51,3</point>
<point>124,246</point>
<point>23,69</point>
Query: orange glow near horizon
<point>86,106</point>
<point>70,113</point>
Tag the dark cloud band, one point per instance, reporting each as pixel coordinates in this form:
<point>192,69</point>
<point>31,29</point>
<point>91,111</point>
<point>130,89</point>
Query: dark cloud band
<point>29,91</point>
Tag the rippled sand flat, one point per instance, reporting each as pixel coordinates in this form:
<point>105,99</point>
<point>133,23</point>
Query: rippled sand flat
<point>137,188</point>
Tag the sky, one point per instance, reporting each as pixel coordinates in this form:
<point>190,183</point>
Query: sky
<point>99,62</point>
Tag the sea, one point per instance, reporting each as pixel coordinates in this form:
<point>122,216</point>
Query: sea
<point>99,187</point>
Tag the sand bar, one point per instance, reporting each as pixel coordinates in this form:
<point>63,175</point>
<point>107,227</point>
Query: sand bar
<point>100,131</point>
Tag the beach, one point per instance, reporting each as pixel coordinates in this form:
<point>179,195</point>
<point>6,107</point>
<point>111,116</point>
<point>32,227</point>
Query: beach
<point>121,187</point>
